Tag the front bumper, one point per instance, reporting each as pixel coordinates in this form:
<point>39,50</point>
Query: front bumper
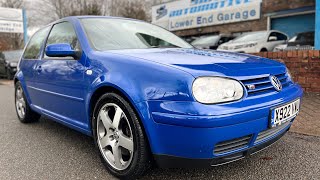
<point>194,131</point>
<point>166,161</point>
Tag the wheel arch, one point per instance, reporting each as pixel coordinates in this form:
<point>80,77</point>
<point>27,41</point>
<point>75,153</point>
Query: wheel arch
<point>105,88</point>
<point>263,49</point>
<point>19,78</point>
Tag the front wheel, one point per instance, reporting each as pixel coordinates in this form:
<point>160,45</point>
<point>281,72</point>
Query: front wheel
<point>120,138</point>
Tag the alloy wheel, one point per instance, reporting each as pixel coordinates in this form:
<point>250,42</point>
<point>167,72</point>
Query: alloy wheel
<point>20,103</point>
<point>114,136</point>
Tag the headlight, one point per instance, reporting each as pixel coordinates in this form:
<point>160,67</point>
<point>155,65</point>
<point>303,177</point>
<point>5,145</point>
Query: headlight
<point>210,90</point>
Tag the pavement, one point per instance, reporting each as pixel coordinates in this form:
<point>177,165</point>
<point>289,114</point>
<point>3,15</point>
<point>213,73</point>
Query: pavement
<point>48,150</point>
<point>308,120</point>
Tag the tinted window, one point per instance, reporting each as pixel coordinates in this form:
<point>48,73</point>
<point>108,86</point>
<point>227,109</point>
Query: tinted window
<point>33,49</point>
<point>309,36</point>
<point>224,40</point>
<point>106,34</point>
<point>64,33</point>
<point>280,36</point>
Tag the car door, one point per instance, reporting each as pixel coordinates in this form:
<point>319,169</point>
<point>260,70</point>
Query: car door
<point>60,80</point>
<point>30,57</point>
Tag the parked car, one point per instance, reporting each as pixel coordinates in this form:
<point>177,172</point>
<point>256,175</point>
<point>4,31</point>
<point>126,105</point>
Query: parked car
<point>211,42</point>
<point>144,94</point>
<point>255,42</point>
<point>302,41</point>
<point>9,62</point>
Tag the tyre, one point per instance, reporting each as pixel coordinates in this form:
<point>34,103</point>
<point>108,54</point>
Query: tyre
<point>24,112</point>
<point>9,75</point>
<point>120,138</point>
<point>264,50</point>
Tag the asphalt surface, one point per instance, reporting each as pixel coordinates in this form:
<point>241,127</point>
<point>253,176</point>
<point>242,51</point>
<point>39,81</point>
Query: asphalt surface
<point>48,150</point>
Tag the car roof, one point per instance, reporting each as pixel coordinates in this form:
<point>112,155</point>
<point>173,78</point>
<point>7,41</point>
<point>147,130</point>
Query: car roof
<point>307,32</point>
<point>89,17</point>
<point>267,31</point>
<point>68,18</point>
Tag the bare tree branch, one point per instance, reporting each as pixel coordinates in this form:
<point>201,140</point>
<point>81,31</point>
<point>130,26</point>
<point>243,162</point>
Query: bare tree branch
<point>11,40</point>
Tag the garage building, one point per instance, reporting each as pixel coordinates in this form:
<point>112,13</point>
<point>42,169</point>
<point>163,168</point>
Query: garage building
<point>192,18</point>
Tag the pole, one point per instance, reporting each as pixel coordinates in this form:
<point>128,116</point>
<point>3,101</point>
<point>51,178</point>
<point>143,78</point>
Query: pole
<point>25,27</point>
<point>317,23</point>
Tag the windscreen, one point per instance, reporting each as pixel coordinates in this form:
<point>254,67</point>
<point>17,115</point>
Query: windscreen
<point>113,33</point>
<point>206,40</point>
<point>13,55</point>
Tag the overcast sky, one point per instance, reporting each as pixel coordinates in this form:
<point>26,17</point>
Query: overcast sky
<point>35,18</point>
<point>39,13</point>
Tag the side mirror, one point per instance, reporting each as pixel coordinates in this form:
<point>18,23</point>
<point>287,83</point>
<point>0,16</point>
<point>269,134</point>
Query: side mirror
<point>61,50</point>
<point>273,38</point>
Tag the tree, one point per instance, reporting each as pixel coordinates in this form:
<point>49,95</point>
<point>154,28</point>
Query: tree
<point>63,8</point>
<point>11,3</point>
<point>133,9</point>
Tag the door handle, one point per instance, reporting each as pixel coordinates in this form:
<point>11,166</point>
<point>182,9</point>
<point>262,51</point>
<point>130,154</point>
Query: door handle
<point>39,69</point>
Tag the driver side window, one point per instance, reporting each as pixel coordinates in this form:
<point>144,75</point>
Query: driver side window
<point>275,36</point>
<point>63,33</point>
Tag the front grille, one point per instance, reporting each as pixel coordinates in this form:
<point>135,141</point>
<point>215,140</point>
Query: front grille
<point>270,132</point>
<point>230,145</point>
<point>263,84</point>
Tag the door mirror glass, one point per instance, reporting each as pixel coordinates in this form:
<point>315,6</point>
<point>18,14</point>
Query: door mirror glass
<point>60,50</point>
<point>273,38</point>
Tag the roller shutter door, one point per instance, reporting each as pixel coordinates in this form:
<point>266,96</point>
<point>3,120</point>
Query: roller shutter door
<point>294,24</point>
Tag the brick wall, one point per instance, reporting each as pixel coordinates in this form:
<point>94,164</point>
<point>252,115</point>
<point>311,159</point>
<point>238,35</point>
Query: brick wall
<point>303,65</point>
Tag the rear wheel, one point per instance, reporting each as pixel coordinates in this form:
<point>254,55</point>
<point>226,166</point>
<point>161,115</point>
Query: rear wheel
<point>120,138</point>
<point>24,112</point>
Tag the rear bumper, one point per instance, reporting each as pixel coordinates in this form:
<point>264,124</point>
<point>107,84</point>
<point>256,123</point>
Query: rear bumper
<point>166,161</point>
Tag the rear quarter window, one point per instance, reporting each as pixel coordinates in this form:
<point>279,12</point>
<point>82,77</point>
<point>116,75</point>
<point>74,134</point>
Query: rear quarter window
<point>34,46</point>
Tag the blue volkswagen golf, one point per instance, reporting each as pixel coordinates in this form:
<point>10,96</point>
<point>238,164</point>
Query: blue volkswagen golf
<point>146,96</point>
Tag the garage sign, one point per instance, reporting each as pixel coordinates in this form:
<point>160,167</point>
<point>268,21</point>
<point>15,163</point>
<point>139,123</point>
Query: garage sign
<point>185,14</point>
<point>11,20</point>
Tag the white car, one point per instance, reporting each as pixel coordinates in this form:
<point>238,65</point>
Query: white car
<point>253,42</point>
